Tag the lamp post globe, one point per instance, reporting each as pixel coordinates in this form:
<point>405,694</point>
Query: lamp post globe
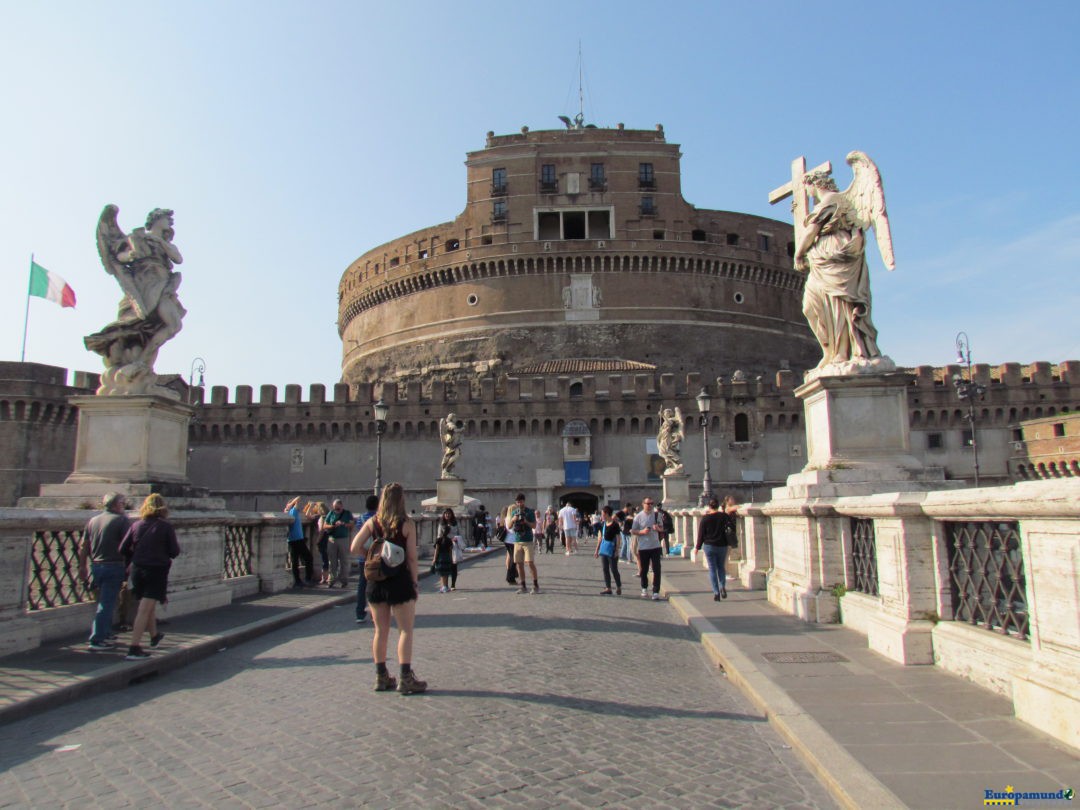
<point>704,402</point>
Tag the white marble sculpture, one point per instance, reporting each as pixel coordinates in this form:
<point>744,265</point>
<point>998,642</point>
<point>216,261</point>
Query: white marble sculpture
<point>449,429</point>
<point>669,440</point>
<point>830,246</point>
<point>150,312</point>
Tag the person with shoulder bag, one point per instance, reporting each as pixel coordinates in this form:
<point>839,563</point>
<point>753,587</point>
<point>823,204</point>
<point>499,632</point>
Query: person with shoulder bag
<point>607,549</point>
<point>716,534</point>
<point>387,542</point>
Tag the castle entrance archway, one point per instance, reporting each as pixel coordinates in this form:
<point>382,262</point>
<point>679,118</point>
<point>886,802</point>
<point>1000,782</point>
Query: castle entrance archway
<point>587,503</point>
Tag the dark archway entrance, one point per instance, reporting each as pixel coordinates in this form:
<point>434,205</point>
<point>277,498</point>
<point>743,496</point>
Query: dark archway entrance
<point>584,502</point>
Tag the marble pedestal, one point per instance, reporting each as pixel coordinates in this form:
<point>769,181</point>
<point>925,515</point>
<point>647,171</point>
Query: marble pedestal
<point>134,445</point>
<point>676,491</point>
<point>450,493</point>
<point>858,443</point>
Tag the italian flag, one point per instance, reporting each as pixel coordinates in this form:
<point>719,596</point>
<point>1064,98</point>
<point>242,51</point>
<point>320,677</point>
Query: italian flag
<point>48,285</point>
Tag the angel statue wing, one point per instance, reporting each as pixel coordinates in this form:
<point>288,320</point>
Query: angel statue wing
<point>867,198</point>
<point>110,241</point>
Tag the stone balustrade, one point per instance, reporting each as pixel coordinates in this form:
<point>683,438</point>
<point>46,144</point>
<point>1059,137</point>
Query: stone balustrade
<point>984,583</point>
<point>224,556</point>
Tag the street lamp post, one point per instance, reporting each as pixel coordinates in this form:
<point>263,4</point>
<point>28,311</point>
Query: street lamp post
<point>968,390</point>
<point>197,365</point>
<point>703,403</point>
<point>382,410</point>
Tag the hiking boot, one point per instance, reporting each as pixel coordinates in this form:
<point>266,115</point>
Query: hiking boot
<point>385,682</point>
<point>410,684</point>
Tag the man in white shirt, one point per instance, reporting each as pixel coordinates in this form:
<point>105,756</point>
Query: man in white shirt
<point>568,523</point>
<point>648,547</point>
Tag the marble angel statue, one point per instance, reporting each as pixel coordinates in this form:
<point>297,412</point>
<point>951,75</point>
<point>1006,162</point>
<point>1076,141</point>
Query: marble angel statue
<point>449,430</point>
<point>669,440</point>
<point>831,249</point>
<point>150,312</point>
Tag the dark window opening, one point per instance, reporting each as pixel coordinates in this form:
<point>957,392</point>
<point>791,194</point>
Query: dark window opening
<point>498,181</point>
<point>547,177</point>
<point>733,239</point>
<point>697,235</point>
<point>657,234</point>
<point>597,178</point>
<point>600,224</point>
<point>423,254</point>
<point>576,390</point>
<point>452,244</point>
<point>498,210</point>
<point>573,224</point>
<point>485,239</point>
<point>742,427</point>
<point>762,241</point>
<point>394,262</point>
<point>646,178</point>
<point>967,438</point>
<point>648,206</point>
<point>1017,435</point>
<point>548,226</point>
<point>934,441</point>
<point>1059,429</point>
<point>791,250</point>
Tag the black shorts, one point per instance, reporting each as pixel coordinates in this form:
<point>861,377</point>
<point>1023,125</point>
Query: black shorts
<point>149,582</point>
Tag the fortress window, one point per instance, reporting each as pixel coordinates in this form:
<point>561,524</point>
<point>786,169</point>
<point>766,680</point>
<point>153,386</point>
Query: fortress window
<point>547,178</point>
<point>657,234</point>
<point>485,239</point>
<point>697,235</point>
<point>762,241</point>
<point>423,254</point>
<point>394,262</point>
<point>645,176</point>
<point>597,179</point>
<point>648,207</point>
<point>934,441</point>
<point>791,250</point>
<point>967,439</point>
<point>498,181</point>
<point>453,244</point>
<point>498,211</point>
<point>573,225</point>
<point>576,390</point>
<point>742,427</point>
<point>733,239</point>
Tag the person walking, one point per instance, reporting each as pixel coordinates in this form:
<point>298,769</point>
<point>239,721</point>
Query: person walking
<point>150,543</point>
<point>397,595</point>
<point>340,521</point>
<point>665,529</point>
<point>370,505</point>
<point>100,547</point>
<point>569,521</point>
<point>607,549</point>
<point>444,564</point>
<point>716,534</point>
<point>644,529</point>
<point>480,528</point>
<point>318,511</point>
<point>626,515</point>
<point>298,547</point>
<point>551,528</point>
<point>520,522</point>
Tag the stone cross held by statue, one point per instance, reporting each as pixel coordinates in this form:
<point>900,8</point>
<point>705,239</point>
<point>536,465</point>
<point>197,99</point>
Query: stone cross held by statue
<point>797,191</point>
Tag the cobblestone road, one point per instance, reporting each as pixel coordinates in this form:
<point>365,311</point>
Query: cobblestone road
<point>563,699</point>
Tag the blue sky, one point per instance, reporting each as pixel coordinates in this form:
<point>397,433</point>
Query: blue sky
<point>292,137</point>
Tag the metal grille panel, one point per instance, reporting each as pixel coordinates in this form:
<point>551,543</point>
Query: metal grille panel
<point>54,571</point>
<point>986,571</point>
<point>237,549</point>
<point>864,556</point>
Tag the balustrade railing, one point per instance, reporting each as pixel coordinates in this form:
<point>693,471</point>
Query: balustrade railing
<point>238,552</point>
<point>986,571</point>
<point>54,570</point>
<point>864,556</point>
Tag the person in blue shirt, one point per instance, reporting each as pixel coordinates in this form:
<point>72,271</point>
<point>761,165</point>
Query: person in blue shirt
<point>298,547</point>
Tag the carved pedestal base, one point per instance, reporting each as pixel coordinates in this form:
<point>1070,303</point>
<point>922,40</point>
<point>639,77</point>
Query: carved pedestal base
<point>676,491</point>
<point>450,493</point>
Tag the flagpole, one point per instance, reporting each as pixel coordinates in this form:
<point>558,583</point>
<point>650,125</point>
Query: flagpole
<point>26,318</point>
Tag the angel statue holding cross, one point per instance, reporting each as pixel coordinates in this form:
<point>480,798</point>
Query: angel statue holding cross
<point>830,246</point>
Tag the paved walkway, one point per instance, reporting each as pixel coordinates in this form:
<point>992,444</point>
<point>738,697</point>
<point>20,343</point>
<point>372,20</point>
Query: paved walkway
<point>567,698</point>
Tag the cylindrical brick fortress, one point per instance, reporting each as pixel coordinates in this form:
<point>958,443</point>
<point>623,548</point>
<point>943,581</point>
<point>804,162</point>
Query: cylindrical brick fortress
<point>576,245</point>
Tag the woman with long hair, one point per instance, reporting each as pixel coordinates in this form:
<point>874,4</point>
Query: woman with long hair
<point>445,566</point>
<point>611,534</point>
<point>395,595</point>
<point>150,546</point>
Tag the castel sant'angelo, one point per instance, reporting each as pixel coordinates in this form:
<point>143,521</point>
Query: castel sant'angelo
<point>575,296</point>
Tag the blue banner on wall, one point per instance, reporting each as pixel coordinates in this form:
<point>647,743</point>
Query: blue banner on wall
<point>577,473</point>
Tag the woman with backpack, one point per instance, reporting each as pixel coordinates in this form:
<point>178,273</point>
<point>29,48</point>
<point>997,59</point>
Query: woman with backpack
<point>391,589</point>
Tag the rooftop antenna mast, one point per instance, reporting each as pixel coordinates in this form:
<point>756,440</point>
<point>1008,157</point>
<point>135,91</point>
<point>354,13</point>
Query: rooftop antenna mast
<point>579,119</point>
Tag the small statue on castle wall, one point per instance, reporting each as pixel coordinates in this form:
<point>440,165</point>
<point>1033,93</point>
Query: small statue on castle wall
<point>150,312</point>
<point>449,430</point>
<point>669,440</point>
